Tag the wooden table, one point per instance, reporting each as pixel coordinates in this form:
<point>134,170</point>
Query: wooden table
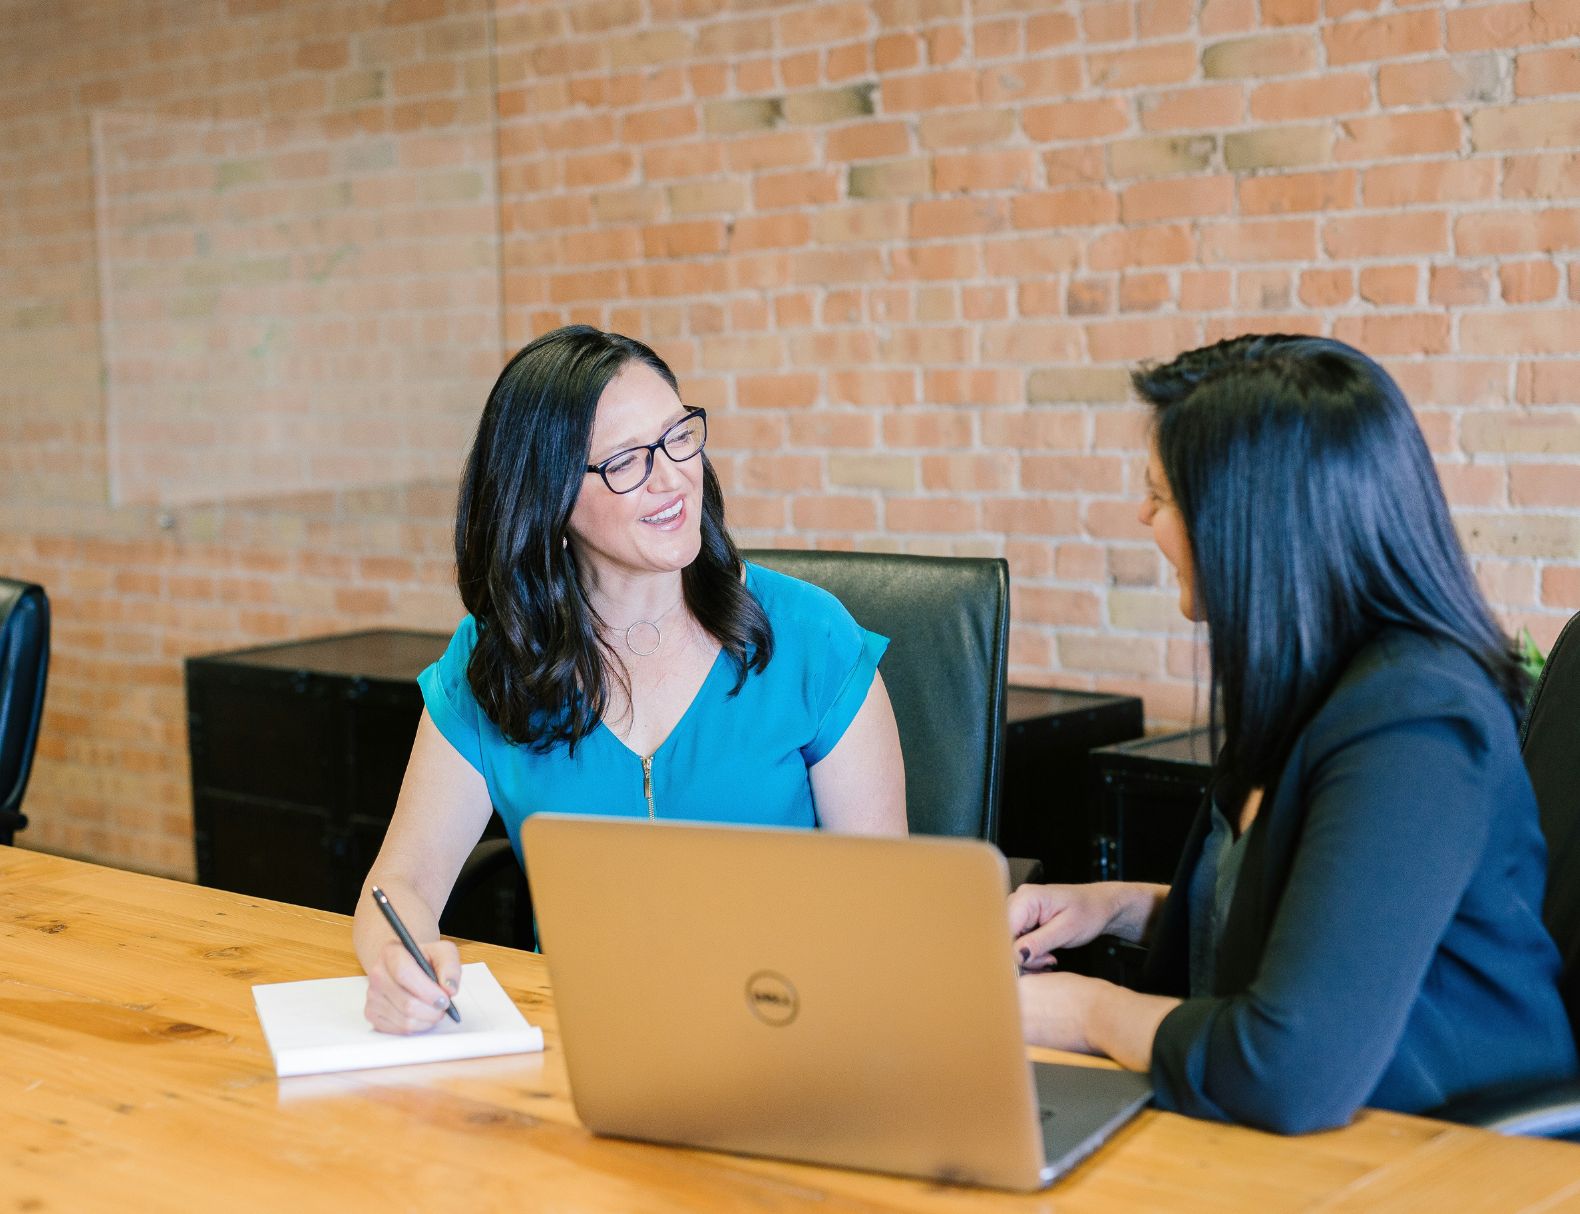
<point>134,1076</point>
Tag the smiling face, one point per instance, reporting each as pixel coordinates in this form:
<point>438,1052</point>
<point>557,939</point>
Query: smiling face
<point>654,529</point>
<point>1160,512</point>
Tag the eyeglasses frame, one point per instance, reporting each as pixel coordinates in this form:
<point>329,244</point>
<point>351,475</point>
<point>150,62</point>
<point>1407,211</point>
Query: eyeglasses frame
<point>651,450</point>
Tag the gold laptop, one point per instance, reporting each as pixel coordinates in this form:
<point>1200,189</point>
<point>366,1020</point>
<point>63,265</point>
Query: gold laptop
<point>802,995</point>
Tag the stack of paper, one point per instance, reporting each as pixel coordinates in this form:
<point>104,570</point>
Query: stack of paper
<point>318,1026</point>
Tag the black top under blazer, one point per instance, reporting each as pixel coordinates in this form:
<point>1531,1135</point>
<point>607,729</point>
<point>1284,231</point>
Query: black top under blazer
<point>1385,945</point>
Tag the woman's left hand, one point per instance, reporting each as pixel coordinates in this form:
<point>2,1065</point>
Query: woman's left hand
<point>1056,1010</point>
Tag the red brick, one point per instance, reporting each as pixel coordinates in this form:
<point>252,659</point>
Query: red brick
<point>1204,290</point>
<point>770,231</point>
<point>1156,63</point>
<point>1163,244</point>
<point>1386,235</point>
<point>1407,335</point>
<point>965,128</point>
<point>1228,16</point>
<point>1088,297</point>
<point>958,217</point>
<point>928,91</point>
<point>1390,286</point>
<point>1320,97</point>
<point>1545,175</point>
<point>1429,181</point>
<point>968,473</point>
<point>1456,286</point>
<point>931,515</point>
<point>1289,193</point>
<point>1000,170</point>
<point>1522,23</point>
<point>1171,199</point>
<point>686,239</point>
<point>868,141</point>
<point>1326,288</point>
<point>1544,485</point>
<point>990,386</point>
<point>1038,516</point>
<point>931,428</point>
<point>834,512</point>
<point>1106,21</point>
<point>1075,120</point>
<point>1502,232</point>
<point>1028,342</point>
<point>860,222</point>
<point>1133,340</point>
<point>1513,333</point>
<point>1542,73</point>
<point>782,149</point>
<point>798,188</point>
<point>872,387</point>
<point>1079,206</point>
<point>1391,37</point>
<point>1535,124</point>
<point>1561,586</point>
<point>1049,29</point>
<point>1392,135</point>
<point>1291,12</point>
<point>1195,108</point>
<point>825,23</point>
<point>1439,81</point>
<point>1057,77</point>
<point>1260,240</point>
<point>1528,281</point>
<point>997,39</point>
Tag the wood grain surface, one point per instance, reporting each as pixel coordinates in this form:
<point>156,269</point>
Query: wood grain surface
<point>134,1076</point>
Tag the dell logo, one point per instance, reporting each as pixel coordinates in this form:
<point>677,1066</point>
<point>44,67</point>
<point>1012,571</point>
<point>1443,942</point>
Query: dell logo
<point>771,998</point>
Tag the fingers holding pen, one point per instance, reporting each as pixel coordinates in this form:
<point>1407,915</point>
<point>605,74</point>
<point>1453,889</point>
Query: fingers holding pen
<point>403,999</point>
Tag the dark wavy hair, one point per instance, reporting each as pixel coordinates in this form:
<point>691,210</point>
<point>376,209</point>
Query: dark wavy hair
<point>1315,520</point>
<point>541,669</point>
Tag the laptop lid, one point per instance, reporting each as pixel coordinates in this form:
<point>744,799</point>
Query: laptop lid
<point>796,994</point>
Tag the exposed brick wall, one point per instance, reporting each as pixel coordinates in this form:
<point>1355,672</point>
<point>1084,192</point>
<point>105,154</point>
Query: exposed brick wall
<point>903,250</point>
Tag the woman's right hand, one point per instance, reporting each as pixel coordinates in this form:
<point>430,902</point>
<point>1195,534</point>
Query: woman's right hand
<point>403,999</point>
<point>1043,918</point>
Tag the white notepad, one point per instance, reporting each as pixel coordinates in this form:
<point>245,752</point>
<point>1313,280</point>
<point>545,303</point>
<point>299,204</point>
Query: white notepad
<point>318,1025</point>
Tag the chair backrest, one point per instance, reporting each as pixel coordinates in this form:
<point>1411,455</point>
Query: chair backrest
<point>947,620</point>
<point>1550,743</point>
<point>24,665</point>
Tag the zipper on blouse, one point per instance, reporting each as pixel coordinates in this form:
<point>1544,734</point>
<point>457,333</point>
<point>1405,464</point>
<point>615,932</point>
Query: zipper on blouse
<point>647,784</point>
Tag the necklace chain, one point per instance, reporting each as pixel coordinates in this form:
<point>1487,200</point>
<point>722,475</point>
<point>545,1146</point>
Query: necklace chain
<point>638,630</point>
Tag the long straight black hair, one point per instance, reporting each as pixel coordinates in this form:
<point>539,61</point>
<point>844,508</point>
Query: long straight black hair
<point>541,669</point>
<point>1315,520</point>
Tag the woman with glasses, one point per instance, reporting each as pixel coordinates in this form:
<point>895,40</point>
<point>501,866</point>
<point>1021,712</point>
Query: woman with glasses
<point>618,656</point>
<point>1357,915</point>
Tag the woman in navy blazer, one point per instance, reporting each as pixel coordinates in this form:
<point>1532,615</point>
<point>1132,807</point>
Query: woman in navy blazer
<point>1357,915</point>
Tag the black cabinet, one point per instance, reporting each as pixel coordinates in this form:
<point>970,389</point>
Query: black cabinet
<point>1147,793</point>
<point>1046,811</point>
<point>298,751</point>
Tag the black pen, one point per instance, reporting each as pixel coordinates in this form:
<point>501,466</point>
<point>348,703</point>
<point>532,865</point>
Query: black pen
<point>411,947</point>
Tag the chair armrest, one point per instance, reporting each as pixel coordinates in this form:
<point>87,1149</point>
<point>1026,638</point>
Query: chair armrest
<point>1544,1109</point>
<point>1023,871</point>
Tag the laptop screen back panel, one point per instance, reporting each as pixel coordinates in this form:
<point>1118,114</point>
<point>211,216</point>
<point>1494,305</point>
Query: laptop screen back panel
<point>835,999</point>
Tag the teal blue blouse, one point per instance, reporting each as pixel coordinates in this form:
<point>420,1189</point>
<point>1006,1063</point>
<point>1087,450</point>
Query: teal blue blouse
<point>741,758</point>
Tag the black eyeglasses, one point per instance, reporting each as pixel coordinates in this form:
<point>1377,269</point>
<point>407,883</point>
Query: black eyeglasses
<point>627,471</point>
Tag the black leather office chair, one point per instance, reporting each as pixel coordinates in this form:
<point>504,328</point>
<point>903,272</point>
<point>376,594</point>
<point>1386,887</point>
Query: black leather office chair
<point>1550,742</point>
<point>947,620</point>
<point>24,666</point>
